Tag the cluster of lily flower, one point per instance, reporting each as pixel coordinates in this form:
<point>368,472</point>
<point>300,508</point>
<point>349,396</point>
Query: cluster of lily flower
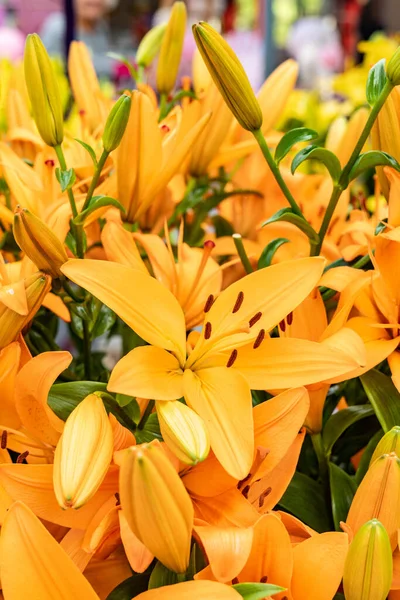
<point>247,442</point>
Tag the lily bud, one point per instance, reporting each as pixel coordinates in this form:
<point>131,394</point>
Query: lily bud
<point>368,569</point>
<point>183,431</point>
<point>11,322</point>
<point>116,123</point>
<point>43,91</point>
<point>389,443</point>
<point>378,497</point>
<point>229,76</point>
<point>393,68</point>
<point>150,45</point>
<point>156,504</point>
<point>171,49</point>
<point>38,242</point>
<point>83,454</point>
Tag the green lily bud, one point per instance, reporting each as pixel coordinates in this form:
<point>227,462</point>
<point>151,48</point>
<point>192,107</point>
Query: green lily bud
<point>116,123</point>
<point>368,569</point>
<point>393,68</point>
<point>389,443</point>
<point>171,49</point>
<point>150,45</point>
<point>43,91</point>
<point>229,76</point>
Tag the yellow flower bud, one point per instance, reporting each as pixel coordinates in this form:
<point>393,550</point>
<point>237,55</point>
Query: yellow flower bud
<point>183,431</point>
<point>393,68</point>
<point>43,91</point>
<point>38,242</point>
<point>229,76</point>
<point>156,504</point>
<point>150,45</point>
<point>171,49</point>
<point>368,569</point>
<point>116,123</point>
<point>11,322</point>
<point>83,454</point>
<point>389,443</point>
<point>378,497</point>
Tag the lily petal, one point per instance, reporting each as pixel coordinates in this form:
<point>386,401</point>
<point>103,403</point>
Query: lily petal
<point>9,362</point>
<point>138,555</point>
<point>195,590</point>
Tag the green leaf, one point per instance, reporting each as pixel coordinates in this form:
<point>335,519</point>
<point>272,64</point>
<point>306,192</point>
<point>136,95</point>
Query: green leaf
<point>90,150</point>
<point>384,397</point>
<point>305,499</point>
<point>96,203</point>
<point>269,251</point>
<point>130,588</point>
<point>343,487</point>
<point>196,562</point>
<point>372,159</point>
<point>323,155</point>
<point>292,137</point>
<point>286,214</point>
<point>151,430</point>
<point>367,455</point>
<point>64,397</point>
<point>376,81</point>
<point>160,576</point>
<point>340,421</point>
<point>122,59</point>
<point>105,320</point>
<point>257,591</point>
<point>66,179</point>
<point>222,226</point>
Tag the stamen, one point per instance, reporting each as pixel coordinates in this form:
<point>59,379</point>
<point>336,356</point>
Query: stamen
<point>245,491</point>
<point>289,318</point>
<point>255,319</point>
<point>117,498</point>
<point>232,358</point>
<point>165,128</point>
<point>4,436</point>
<point>82,112</point>
<point>209,303</point>
<point>264,579</point>
<point>259,339</point>
<point>207,331</point>
<point>49,162</point>
<point>207,249</point>
<point>263,496</point>
<point>244,480</point>
<point>235,580</point>
<point>238,303</point>
<point>22,456</point>
<point>282,325</point>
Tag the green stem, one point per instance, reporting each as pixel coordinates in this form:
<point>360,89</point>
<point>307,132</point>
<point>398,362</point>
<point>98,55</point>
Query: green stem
<point>276,172</point>
<point>87,350</point>
<point>163,107</point>
<point>319,450</point>
<point>343,182</point>
<point>71,292</point>
<point>237,239</point>
<point>140,74</point>
<point>96,177</point>
<point>146,414</point>
<point>76,230</point>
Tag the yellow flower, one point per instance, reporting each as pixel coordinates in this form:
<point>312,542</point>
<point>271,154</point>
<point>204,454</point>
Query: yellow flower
<point>183,431</point>
<point>38,242</point>
<point>232,355</point>
<point>393,68</point>
<point>150,45</point>
<point>389,443</point>
<point>368,569</point>
<point>43,91</point>
<point>229,76</point>
<point>83,454</point>
<point>156,505</point>
<point>171,49</point>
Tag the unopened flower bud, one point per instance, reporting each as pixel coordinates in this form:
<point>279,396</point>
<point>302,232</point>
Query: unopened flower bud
<point>378,497</point>
<point>171,49</point>
<point>393,68</point>
<point>368,568</point>
<point>183,431</point>
<point>83,454</point>
<point>116,123</point>
<point>150,45</point>
<point>389,443</point>
<point>156,504</point>
<point>12,322</point>
<point>229,76</point>
<point>43,91</point>
<point>38,242</point>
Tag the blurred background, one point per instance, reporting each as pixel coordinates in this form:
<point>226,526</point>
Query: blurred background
<point>322,35</point>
